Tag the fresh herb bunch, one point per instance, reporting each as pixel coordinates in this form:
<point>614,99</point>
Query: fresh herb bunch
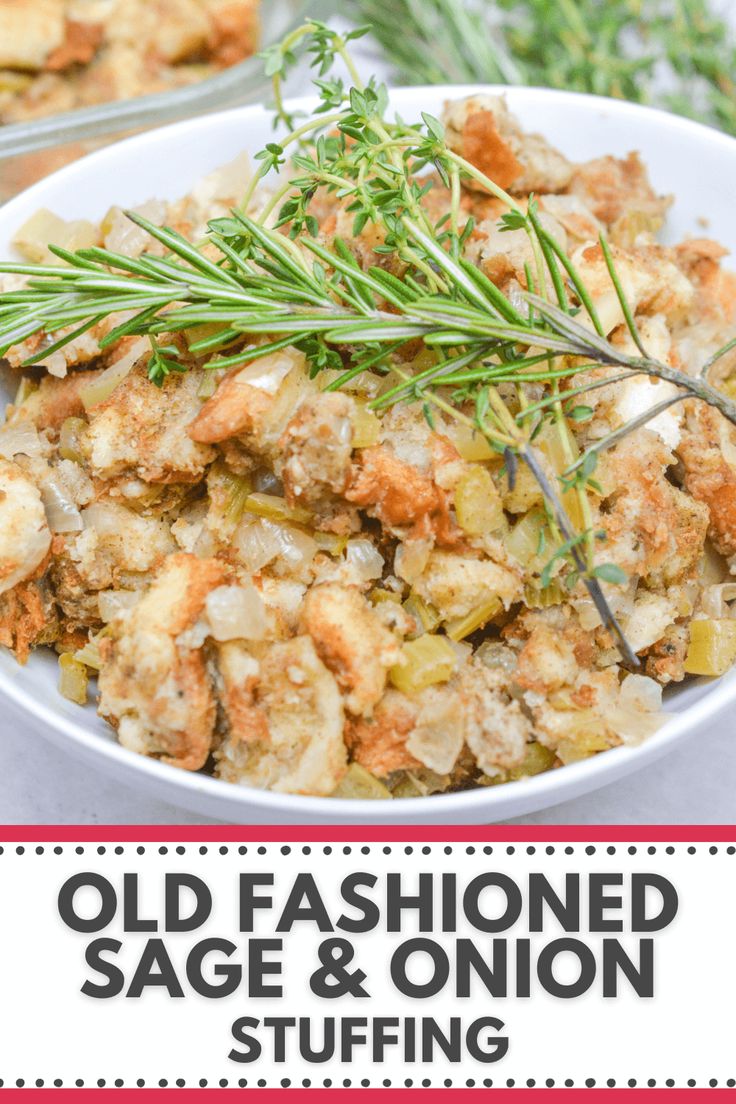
<point>676,54</point>
<point>272,279</point>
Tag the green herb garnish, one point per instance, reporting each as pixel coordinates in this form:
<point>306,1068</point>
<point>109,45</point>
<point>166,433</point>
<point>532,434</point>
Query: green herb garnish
<point>676,54</point>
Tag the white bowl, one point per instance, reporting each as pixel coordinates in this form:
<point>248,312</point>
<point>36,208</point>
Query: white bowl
<point>696,163</point>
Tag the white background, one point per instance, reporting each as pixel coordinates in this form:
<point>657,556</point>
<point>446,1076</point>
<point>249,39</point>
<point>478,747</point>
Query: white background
<point>684,1032</point>
<point>693,785</point>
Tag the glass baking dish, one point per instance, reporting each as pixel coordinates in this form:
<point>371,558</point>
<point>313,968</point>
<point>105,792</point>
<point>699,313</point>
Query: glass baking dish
<point>29,151</point>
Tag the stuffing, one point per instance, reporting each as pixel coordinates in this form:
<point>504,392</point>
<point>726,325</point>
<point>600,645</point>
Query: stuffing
<point>547,660</point>
<point>665,660</point>
<point>610,187</point>
<point>154,684</point>
<point>116,549</point>
<point>483,131</point>
<point>708,454</point>
<point>651,281</point>
<point>316,447</point>
<point>456,584</point>
<point>293,741</point>
<point>654,530</point>
<point>569,212</point>
<point>54,400</point>
<point>401,495</point>
<point>578,723</point>
<point>253,404</point>
<point>27,618</point>
<point>495,729</point>
<point>504,254</point>
<point>141,430</point>
<point>80,352</point>
<point>379,742</point>
<point>29,35</point>
<point>352,642</point>
<point>25,538</point>
<point>76,53</point>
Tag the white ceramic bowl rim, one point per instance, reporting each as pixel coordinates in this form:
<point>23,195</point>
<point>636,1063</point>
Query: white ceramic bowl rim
<point>544,789</point>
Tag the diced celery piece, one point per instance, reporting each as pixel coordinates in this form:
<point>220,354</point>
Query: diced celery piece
<point>237,490</point>
<point>380,594</point>
<point>425,614</point>
<point>73,679</point>
<point>523,540</point>
<point>427,660</point>
<point>359,784</point>
<point>70,447</point>
<point>420,782</point>
<point>476,619</point>
<point>275,508</point>
<point>330,542</point>
<point>470,443</point>
<point>537,760</point>
<point>712,648</point>
<point>26,387</point>
<point>586,734</point>
<point>538,597</point>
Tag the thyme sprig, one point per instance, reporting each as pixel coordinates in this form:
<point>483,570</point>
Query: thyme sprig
<point>677,54</point>
<point>271,276</point>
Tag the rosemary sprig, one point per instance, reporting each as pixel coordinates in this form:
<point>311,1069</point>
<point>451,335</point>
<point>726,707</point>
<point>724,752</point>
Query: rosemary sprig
<point>677,54</point>
<point>279,282</point>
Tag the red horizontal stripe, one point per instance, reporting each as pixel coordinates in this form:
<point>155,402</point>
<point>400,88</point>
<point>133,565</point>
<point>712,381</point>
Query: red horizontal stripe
<point>365,1096</point>
<point>139,833</point>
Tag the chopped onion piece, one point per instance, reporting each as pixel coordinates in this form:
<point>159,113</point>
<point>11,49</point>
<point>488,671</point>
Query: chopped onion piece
<point>236,613</point>
<point>62,514</point>
<point>19,438</point>
<point>633,726</point>
<point>365,559</point>
<point>106,518</point>
<point>640,692</point>
<point>267,482</point>
<point>269,372</point>
<point>411,558</point>
<point>715,601</point>
<point>45,228</point>
<point>100,388</point>
<point>111,602</point>
<point>228,182</point>
<point>89,655</point>
<point>257,543</point>
<point>122,235</point>
<point>297,548</point>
